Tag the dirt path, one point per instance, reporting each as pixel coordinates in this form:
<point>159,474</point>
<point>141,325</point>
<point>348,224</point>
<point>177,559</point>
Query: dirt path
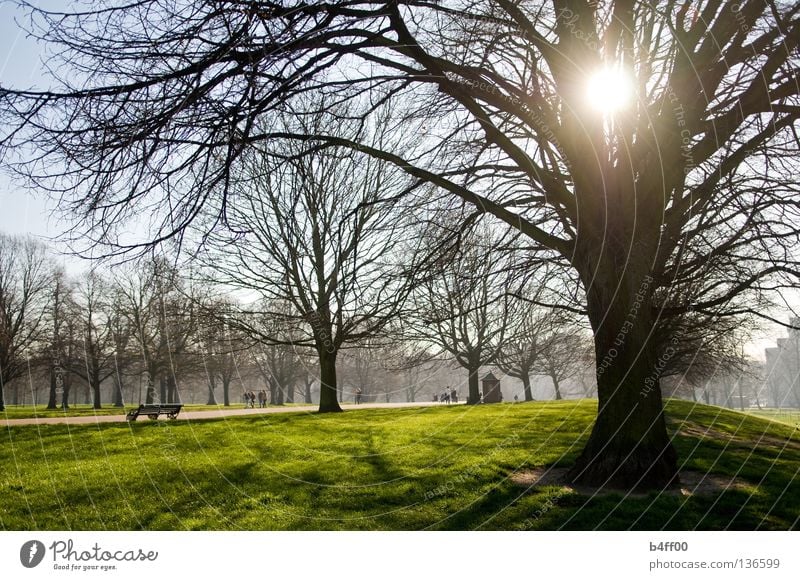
<point>201,415</point>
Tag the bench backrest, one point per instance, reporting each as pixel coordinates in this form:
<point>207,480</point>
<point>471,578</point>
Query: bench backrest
<point>144,409</point>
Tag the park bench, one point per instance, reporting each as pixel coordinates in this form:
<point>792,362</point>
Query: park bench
<point>171,410</point>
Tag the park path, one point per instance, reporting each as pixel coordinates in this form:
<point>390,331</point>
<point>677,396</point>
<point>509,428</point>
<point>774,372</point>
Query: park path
<point>201,415</point>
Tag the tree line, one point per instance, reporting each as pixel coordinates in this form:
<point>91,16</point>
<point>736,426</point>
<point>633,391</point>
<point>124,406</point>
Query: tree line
<point>132,332</point>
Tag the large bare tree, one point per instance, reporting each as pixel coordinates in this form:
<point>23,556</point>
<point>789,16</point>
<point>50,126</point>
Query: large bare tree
<point>693,181</point>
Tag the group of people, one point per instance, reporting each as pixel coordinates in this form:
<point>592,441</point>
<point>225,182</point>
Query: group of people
<point>250,398</point>
<point>448,396</point>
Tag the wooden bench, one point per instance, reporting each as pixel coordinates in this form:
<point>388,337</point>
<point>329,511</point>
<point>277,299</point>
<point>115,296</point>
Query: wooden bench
<point>171,410</point>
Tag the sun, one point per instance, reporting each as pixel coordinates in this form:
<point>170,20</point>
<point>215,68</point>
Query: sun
<point>609,90</point>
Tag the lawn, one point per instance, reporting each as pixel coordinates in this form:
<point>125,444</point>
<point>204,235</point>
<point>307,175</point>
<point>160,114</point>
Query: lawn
<point>790,416</point>
<point>377,469</point>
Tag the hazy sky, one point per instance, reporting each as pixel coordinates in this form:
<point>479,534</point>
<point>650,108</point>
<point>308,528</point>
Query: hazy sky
<point>24,212</point>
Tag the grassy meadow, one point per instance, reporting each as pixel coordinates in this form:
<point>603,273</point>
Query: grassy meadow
<point>384,469</point>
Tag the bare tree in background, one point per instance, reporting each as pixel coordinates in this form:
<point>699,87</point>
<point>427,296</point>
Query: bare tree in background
<point>694,181</point>
<point>96,358</point>
<point>26,277</point>
<point>463,305</point>
<point>562,354</point>
<point>521,351</point>
<point>218,345</point>
<point>321,235</point>
<point>163,320</point>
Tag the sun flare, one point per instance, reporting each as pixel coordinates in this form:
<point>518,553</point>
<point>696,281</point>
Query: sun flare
<point>609,90</point>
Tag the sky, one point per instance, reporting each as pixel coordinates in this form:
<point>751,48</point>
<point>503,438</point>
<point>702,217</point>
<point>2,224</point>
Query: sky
<point>24,212</point>
<point>20,212</point>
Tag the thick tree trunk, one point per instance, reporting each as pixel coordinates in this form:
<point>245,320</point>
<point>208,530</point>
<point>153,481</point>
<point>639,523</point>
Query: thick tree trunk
<point>65,393</point>
<point>162,389</point>
<point>274,398</point>
<point>328,402</point>
<point>526,386</point>
<point>2,397</point>
<point>212,397</point>
<point>290,393</point>
<point>52,399</point>
<point>307,395</point>
<point>96,396</point>
<point>150,395</point>
<point>556,387</point>
<point>629,447</point>
<point>117,398</point>
<point>172,390</point>
<point>95,388</point>
<point>474,396</point>
<point>226,393</point>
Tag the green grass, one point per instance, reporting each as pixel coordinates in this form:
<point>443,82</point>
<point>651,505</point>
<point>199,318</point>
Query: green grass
<point>370,469</point>
<point>28,411</point>
<point>789,416</point>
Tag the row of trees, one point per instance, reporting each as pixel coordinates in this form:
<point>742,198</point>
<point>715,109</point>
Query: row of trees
<point>145,324</point>
<point>139,324</point>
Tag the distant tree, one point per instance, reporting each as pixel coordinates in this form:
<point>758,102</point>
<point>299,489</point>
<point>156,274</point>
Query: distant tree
<point>463,306</point>
<point>218,346</point>
<point>279,368</point>
<point>162,317</point>
<point>562,355</point>
<point>783,369</point>
<point>523,348</point>
<point>96,357</point>
<point>320,233</point>
<point>121,333</point>
<point>308,373</point>
<point>26,277</point>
